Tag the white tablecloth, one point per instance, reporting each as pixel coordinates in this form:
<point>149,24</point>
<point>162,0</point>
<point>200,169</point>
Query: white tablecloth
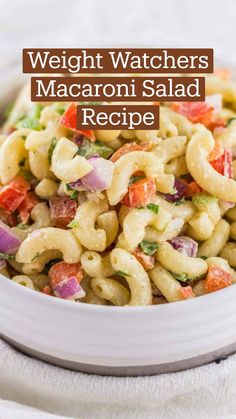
<point>207,392</point>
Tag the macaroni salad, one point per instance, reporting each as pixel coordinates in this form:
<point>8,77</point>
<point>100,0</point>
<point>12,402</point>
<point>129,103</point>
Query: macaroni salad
<point>121,217</point>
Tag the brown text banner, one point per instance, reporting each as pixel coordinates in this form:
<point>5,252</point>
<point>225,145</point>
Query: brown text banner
<point>117,89</point>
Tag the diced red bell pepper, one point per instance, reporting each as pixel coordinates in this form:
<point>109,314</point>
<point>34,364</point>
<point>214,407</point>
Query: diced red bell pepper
<point>12,195</point>
<point>27,205</point>
<point>62,210</point>
<point>223,164</point>
<point>217,278</point>
<point>140,193</point>
<point>128,147</point>
<point>69,117</point>
<point>146,261</point>
<point>187,292</point>
<point>194,111</point>
<point>47,290</point>
<point>192,189</point>
<point>200,112</point>
<point>69,120</point>
<point>216,152</point>
<point>212,122</point>
<point>62,270</point>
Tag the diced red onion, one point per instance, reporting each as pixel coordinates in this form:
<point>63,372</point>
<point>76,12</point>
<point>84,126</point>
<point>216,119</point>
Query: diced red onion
<point>9,242</point>
<point>78,186</point>
<point>100,177</point>
<point>180,191</point>
<point>185,245</point>
<point>69,289</point>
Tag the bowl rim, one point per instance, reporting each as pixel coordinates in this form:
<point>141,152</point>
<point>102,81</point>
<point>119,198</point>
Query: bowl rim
<point>44,298</point>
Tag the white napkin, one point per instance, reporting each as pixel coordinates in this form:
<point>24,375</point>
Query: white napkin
<point>207,392</point>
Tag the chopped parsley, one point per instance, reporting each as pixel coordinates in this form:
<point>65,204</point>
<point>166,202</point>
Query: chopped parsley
<point>60,108</point>
<point>68,188</point>
<point>121,273</point>
<point>73,224</point>
<point>134,179</point>
<point>27,175</point>
<point>32,120</point>
<point>153,207</point>
<point>28,122</point>
<point>6,256</point>
<point>88,149</point>
<point>179,202</point>
<point>51,149</point>
<point>74,195</point>
<point>149,248</point>
<point>181,277</point>
<point>22,226</point>
<point>204,257</point>
<point>230,120</point>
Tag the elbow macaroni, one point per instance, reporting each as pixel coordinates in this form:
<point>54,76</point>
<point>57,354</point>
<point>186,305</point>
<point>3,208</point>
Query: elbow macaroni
<point>125,236</point>
<point>65,165</point>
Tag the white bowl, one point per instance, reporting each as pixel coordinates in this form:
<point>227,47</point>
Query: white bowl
<point>118,340</point>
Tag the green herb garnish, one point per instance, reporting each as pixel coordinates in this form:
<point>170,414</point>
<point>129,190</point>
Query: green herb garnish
<point>73,224</point>
<point>179,202</point>
<point>153,207</point>
<point>60,108</point>
<point>68,188</point>
<point>6,256</point>
<point>121,273</point>
<point>31,120</point>
<point>204,257</point>
<point>27,175</point>
<point>149,248</point>
<point>51,149</point>
<point>74,195</point>
<point>181,277</point>
<point>28,122</point>
<point>88,149</point>
<point>22,226</point>
<point>134,179</point>
<point>230,120</point>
